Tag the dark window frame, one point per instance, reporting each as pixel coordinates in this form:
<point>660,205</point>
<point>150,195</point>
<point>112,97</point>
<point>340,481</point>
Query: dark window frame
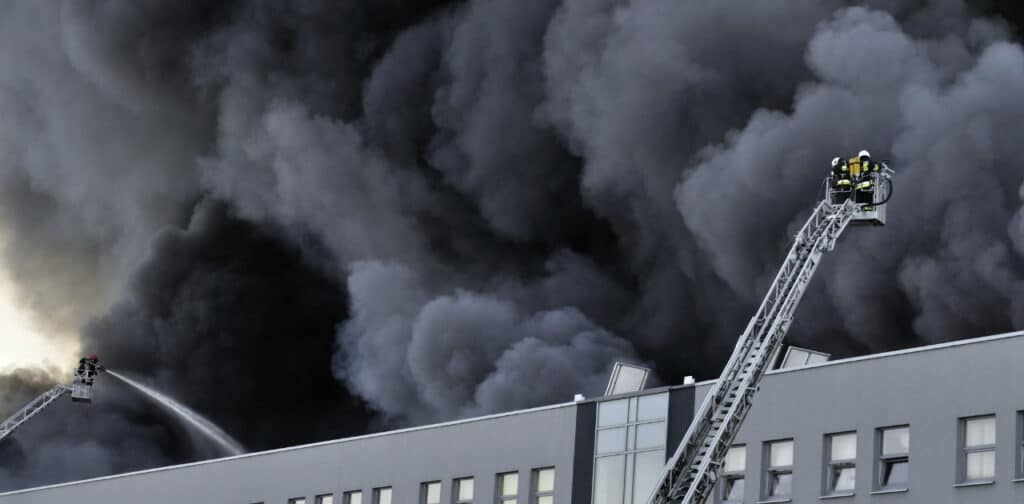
<point>884,461</point>
<point>830,465</point>
<point>346,497</point>
<point>963,451</point>
<point>535,493</point>
<point>771,472</point>
<point>377,492</point>
<point>457,489</point>
<point>1020,445</point>
<point>424,488</point>
<point>499,480</point>
<point>729,478</point>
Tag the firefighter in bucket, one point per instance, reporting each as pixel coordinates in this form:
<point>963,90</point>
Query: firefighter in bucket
<point>85,375</point>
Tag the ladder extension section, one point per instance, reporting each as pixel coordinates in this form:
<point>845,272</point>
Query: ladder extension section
<point>31,409</point>
<point>690,475</point>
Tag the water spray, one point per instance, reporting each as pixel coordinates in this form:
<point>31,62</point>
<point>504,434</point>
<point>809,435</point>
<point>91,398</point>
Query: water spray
<point>191,418</point>
<point>80,390</point>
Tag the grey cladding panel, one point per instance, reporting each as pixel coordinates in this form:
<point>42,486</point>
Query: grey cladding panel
<point>680,415</point>
<point>479,448</point>
<point>583,456</point>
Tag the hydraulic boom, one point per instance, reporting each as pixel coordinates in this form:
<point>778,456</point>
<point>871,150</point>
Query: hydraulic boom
<point>689,476</point>
<point>80,391</point>
<point>31,409</point>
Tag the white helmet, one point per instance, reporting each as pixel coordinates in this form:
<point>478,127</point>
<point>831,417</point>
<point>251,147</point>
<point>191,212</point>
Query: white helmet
<point>864,153</point>
<point>835,162</point>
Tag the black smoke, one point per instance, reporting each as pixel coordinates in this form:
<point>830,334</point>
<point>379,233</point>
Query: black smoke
<point>313,219</point>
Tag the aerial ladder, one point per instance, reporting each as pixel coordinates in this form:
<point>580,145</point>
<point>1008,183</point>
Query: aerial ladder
<point>689,477</point>
<point>80,391</point>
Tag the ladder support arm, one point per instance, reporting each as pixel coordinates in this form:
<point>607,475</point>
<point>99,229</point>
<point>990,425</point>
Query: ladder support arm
<point>32,409</point>
<point>689,476</point>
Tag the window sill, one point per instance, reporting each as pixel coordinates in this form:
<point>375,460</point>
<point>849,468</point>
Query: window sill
<point>967,484</point>
<point>1018,480</point>
<point>837,495</point>
<point>890,491</point>
<point>775,501</point>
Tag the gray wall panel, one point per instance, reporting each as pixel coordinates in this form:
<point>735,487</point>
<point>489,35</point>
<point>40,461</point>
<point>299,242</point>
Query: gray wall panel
<point>930,390</point>
<point>479,448</point>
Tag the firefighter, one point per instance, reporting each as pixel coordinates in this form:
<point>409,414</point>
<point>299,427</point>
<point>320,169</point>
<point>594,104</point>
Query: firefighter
<point>862,171</point>
<point>841,183</point>
<point>87,366</point>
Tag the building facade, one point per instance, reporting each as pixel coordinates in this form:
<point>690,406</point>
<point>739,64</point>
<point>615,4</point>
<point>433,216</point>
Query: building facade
<point>931,425</point>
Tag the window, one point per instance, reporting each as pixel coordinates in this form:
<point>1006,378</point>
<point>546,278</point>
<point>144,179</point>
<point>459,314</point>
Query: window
<point>297,500</point>
<point>508,488</point>
<point>1020,444</point>
<point>630,448</point>
<point>609,479</point>
<point>430,492</point>
<point>977,460</point>
<point>840,463</point>
<point>463,492</point>
<point>893,458</point>
<point>733,475</point>
<point>797,357</point>
<point>382,495</point>
<point>353,497</point>
<point>324,499</point>
<point>778,480</point>
<point>544,485</point>
<point>626,378</point>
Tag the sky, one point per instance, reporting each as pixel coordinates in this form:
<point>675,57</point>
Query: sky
<point>24,344</point>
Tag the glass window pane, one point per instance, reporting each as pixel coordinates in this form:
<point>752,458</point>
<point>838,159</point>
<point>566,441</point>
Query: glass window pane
<point>628,379</point>
<point>795,358</point>
<point>844,479</point>
<point>611,413</point>
<point>736,459</point>
<point>981,465</point>
<point>325,499</point>
<point>781,485</point>
<point>384,496</point>
<point>781,454</point>
<point>509,484</point>
<point>547,499</point>
<point>650,435</point>
<point>980,431</point>
<point>844,447</point>
<point>734,488</point>
<point>465,489</point>
<point>353,498</point>
<point>609,479</point>
<point>432,493</point>
<point>297,500</point>
<point>896,441</point>
<point>653,407</point>
<point>545,480</point>
<point>896,473</point>
<point>648,468</point>
<point>611,440</point>
<point>816,358</point>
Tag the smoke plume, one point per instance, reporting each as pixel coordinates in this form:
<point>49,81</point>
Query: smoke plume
<point>313,219</point>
